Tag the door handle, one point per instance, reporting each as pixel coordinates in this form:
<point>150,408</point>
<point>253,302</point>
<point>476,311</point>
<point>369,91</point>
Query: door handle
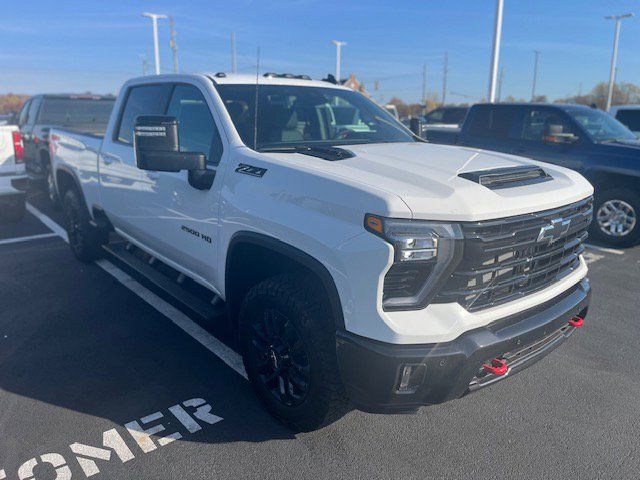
<point>108,158</point>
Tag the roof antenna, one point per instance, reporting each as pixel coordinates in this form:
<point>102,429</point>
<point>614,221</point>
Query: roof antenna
<point>255,119</point>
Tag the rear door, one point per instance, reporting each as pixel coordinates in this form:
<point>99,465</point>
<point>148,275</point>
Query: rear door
<point>538,121</point>
<point>493,127</point>
<point>128,192</point>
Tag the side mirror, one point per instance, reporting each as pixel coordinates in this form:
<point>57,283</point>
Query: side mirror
<point>157,148</point>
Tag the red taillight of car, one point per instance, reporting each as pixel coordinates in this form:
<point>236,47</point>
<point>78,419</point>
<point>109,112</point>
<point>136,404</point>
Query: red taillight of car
<point>18,148</point>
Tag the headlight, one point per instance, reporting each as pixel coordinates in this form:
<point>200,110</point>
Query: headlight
<point>425,255</point>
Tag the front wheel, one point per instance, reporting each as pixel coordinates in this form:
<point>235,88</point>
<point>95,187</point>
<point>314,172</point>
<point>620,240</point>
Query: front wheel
<point>616,217</point>
<point>85,240</point>
<point>288,342</point>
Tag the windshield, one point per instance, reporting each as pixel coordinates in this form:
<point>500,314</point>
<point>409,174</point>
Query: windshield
<point>600,126</point>
<point>76,111</point>
<point>292,116</point>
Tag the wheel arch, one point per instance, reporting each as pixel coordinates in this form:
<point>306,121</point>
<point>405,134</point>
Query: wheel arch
<point>248,249</point>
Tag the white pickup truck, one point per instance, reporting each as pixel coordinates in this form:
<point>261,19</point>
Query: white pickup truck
<point>358,264</point>
<point>13,179</point>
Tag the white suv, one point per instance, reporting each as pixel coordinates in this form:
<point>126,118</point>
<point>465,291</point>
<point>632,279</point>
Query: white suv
<point>356,261</point>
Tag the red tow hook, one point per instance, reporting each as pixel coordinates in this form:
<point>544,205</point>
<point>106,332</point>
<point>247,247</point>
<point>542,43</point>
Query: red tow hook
<point>576,322</point>
<point>498,367</point>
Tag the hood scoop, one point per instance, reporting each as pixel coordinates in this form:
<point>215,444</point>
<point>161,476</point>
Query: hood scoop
<point>508,177</point>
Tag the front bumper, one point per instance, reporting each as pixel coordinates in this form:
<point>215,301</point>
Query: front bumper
<point>371,370</point>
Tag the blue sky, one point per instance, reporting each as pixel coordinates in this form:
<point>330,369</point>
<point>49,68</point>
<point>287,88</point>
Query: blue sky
<point>90,45</point>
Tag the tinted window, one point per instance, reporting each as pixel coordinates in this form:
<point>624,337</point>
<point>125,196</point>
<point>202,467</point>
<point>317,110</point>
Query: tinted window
<point>33,111</point>
<point>540,123</point>
<point>495,122</point>
<point>76,111</point>
<point>24,113</point>
<point>290,115</point>
<point>631,118</point>
<point>447,115</point>
<point>197,131</point>
<point>143,100</point>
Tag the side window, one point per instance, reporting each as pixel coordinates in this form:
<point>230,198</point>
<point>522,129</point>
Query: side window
<point>435,116</point>
<point>24,113</point>
<point>630,118</point>
<point>496,122</point>
<point>142,100</point>
<point>196,128</point>
<point>33,111</point>
<point>539,123</point>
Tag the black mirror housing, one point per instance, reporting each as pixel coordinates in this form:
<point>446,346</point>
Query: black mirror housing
<point>157,146</point>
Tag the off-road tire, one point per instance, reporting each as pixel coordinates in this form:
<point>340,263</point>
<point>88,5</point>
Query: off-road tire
<point>303,303</point>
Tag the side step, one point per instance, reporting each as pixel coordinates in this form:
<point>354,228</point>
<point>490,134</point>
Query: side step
<point>193,303</point>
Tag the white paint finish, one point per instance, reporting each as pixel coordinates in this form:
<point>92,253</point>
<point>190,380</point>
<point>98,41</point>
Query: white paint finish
<point>7,153</point>
<point>27,239</point>
<point>203,410</point>
<point>318,207</point>
<point>183,417</point>
<point>57,461</point>
<point>3,475</point>
<point>111,439</point>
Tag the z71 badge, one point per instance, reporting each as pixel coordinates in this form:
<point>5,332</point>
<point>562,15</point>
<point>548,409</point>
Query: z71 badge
<point>251,170</point>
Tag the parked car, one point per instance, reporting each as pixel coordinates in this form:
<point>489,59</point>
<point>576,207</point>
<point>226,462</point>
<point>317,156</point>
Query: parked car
<point>359,264</point>
<point>13,180</point>
<point>574,136</point>
<point>628,115</point>
<point>84,113</point>
<point>445,118</point>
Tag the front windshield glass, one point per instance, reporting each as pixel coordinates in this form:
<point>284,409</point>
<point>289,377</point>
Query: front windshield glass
<point>600,126</point>
<point>296,116</point>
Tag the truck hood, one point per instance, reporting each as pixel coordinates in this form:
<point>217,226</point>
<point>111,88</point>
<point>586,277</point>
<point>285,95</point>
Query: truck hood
<point>425,177</point>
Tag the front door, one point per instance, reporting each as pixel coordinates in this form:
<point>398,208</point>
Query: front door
<point>538,122</point>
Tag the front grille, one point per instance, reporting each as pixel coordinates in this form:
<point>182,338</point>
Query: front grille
<point>506,259</point>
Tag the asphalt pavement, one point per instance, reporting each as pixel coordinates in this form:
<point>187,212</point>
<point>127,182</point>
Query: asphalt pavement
<point>90,357</point>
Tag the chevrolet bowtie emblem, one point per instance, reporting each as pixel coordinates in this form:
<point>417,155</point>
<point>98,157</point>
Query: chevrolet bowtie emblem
<point>553,232</point>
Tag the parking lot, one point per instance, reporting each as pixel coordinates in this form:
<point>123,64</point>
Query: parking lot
<point>88,354</point>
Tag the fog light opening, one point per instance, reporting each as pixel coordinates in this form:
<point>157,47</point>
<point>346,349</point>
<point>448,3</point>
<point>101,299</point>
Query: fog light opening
<point>411,377</point>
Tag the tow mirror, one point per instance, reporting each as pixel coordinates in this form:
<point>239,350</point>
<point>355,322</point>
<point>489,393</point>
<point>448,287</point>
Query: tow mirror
<point>157,148</point>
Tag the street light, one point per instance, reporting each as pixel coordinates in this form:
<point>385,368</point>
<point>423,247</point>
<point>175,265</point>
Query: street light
<point>154,19</point>
<point>614,56</point>
<point>338,45</point>
<point>535,74</point>
<point>495,56</point>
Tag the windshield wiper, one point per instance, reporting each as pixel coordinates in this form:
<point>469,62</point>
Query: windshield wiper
<point>326,153</point>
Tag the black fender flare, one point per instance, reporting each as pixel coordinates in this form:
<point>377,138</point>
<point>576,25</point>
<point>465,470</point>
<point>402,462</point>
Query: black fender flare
<point>298,256</point>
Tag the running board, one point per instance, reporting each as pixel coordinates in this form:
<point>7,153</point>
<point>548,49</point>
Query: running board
<point>193,303</point>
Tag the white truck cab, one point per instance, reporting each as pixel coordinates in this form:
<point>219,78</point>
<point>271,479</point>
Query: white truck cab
<point>13,179</point>
<point>360,265</point>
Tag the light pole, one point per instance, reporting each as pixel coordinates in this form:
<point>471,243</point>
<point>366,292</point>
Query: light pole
<point>614,56</point>
<point>535,74</point>
<point>144,64</point>
<point>338,45</point>
<point>234,64</point>
<point>495,56</point>
<point>174,45</point>
<point>154,19</point>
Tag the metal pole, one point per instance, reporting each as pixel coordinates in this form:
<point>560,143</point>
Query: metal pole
<point>234,65</point>
<point>173,45</point>
<point>338,45</point>
<point>445,72</point>
<point>495,56</point>
<point>500,80</point>
<point>424,84</point>
<point>144,64</point>
<point>614,56</point>
<point>156,51</point>
<point>535,74</point>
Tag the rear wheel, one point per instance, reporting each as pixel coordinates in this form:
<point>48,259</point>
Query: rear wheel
<point>85,240</point>
<point>616,217</point>
<point>288,342</point>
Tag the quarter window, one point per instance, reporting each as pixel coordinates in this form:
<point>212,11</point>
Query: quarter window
<point>142,100</point>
